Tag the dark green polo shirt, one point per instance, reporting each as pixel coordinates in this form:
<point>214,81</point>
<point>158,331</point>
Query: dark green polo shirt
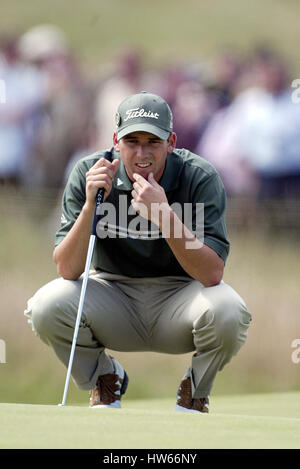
<point>132,246</point>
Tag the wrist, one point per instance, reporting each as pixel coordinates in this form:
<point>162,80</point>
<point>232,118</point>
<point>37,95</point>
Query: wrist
<point>88,208</point>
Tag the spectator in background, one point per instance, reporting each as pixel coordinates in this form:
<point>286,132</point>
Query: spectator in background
<point>126,78</point>
<point>236,113</point>
<point>172,76</point>
<point>185,86</point>
<point>275,152</point>
<point>255,141</point>
<point>26,96</point>
<point>66,125</point>
<point>225,69</point>
<point>193,108</point>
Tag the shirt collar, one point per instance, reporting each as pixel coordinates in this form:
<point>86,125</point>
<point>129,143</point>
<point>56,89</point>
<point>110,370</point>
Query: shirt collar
<point>121,180</point>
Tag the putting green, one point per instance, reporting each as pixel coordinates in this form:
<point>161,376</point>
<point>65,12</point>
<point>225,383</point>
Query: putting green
<point>245,421</point>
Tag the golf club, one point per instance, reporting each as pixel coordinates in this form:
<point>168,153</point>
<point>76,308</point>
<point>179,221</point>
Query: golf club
<point>99,199</point>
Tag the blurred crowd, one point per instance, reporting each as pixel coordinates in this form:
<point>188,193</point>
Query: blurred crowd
<point>234,110</point>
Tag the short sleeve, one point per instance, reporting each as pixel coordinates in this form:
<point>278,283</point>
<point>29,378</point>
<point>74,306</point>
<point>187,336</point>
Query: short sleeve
<point>72,201</point>
<point>211,194</point>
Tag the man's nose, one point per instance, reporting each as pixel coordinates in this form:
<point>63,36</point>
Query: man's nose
<point>141,150</point>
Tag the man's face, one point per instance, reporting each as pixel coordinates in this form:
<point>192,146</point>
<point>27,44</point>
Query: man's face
<point>144,153</point>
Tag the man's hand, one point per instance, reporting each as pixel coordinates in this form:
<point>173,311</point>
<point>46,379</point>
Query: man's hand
<point>100,176</point>
<point>200,261</point>
<point>149,198</point>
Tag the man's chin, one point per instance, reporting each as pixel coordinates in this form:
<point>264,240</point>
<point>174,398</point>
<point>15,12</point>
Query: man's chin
<point>144,172</point>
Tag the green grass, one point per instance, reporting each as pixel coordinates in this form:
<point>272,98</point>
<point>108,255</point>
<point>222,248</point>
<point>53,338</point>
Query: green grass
<point>163,31</point>
<point>241,421</point>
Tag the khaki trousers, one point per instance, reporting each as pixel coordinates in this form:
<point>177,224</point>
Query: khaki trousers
<point>173,315</point>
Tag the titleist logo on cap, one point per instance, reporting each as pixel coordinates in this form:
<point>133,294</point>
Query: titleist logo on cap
<point>137,112</point>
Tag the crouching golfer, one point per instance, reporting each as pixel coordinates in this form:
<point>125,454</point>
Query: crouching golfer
<point>156,283</point>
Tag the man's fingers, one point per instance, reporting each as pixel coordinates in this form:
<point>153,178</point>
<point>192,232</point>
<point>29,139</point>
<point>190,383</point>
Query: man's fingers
<point>142,182</point>
<point>102,162</point>
<point>94,172</point>
<point>115,164</point>
<point>134,194</point>
<point>93,183</point>
<point>152,180</point>
<point>103,167</point>
<point>101,176</point>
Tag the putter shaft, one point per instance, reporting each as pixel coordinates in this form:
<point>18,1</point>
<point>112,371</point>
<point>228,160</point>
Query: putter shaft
<point>79,313</point>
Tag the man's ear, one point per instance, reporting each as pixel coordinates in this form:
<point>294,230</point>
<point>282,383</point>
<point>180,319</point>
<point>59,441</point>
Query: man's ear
<point>172,142</point>
<point>115,142</point>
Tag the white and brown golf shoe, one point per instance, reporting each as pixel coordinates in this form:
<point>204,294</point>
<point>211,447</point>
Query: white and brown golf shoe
<point>185,401</point>
<point>109,388</point>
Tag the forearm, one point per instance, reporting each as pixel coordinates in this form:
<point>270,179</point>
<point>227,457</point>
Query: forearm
<point>70,254</point>
<point>200,261</point>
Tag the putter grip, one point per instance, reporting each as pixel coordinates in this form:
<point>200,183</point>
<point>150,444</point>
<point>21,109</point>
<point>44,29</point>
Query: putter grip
<point>99,197</point>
